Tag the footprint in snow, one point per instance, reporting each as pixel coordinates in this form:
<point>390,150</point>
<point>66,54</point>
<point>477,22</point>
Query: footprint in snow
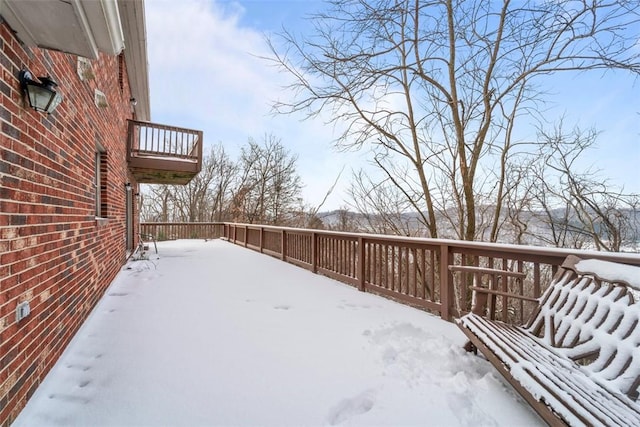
<point>68,398</point>
<point>282,307</point>
<point>352,407</point>
<point>83,368</point>
<point>353,306</point>
<point>462,401</point>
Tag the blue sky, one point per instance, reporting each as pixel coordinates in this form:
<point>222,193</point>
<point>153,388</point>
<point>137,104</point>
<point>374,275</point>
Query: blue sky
<point>205,74</point>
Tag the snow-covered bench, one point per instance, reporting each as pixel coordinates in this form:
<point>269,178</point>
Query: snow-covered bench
<point>577,360</point>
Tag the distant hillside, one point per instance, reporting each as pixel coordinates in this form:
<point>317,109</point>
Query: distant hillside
<point>535,228</point>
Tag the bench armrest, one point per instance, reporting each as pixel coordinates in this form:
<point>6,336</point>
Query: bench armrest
<point>480,289</point>
<point>481,293</point>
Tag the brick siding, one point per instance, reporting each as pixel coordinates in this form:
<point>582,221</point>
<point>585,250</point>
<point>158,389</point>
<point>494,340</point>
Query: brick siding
<point>53,251</point>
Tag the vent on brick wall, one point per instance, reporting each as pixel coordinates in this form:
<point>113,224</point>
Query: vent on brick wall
<point>85,69</point>
<point>100,99</point>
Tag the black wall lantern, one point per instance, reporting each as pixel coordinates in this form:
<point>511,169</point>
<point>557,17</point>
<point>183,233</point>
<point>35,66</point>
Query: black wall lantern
<point>42,95</point>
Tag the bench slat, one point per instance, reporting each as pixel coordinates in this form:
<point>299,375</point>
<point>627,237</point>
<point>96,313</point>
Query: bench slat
<point>583,321</point>
<point>578,356</point>
<point>554,376</point>
<point>518,346</point>
<point>531,350</point>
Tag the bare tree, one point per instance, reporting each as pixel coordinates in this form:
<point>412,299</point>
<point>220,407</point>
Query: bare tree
<point>579,208</point>
<point>157,203</point>
<point>310,217</point>
<point>193,200</point>
<point>262,186</point>
<point>269,188</point>
<point>383,207</point>
<point>435,89</point>
<point>204,198</point>
<point>225,174</point>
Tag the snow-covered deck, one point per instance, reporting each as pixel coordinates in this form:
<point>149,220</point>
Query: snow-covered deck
<point>214,334</point>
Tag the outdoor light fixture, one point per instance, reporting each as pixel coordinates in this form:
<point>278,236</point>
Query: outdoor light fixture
<point>42,95</point>
<point>127,186</point>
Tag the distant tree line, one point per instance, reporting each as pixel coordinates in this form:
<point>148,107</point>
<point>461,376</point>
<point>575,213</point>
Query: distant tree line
<point>261,186</point>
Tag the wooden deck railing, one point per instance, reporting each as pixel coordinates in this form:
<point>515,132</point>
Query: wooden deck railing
<point>413,271</point>
<point>161,154</point>
<point>153,139</point>
<point>182,230</point>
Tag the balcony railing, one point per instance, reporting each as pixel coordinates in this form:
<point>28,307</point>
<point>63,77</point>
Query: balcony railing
<point>161,154</point>
<point>413,271</point>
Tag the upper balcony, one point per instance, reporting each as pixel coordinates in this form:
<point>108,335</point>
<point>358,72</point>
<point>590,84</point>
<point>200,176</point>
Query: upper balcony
<point>160,154</point>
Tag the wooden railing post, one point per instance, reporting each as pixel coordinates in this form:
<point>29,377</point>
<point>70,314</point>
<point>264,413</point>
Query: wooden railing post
<point>283,245</point>
<point>361,264</point>
<point>314,252</point>
<point>246,235</point>
<point>446,282</point>
<point>261,239</point>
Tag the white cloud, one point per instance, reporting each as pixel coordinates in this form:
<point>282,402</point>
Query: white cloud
<point>206,73</point>
<point>199,57</point>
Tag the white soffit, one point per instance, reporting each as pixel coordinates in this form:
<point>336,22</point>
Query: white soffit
<point>133,24</point>
<point>79,27</point>
<point>104,19</point>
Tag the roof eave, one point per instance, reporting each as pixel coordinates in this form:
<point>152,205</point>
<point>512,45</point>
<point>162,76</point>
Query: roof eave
<point>133,25</point>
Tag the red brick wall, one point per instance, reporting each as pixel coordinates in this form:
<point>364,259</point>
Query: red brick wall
<point>53,252</point>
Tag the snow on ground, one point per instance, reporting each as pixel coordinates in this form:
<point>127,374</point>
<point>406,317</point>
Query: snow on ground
<point>214,334</point>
